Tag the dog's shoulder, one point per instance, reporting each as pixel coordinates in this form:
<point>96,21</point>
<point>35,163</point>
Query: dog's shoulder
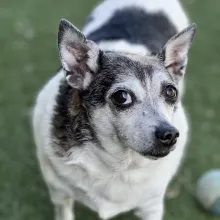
<point>44,109</point>
<point>59,117</point>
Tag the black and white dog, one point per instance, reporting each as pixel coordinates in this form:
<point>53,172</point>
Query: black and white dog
<point>109,127</point>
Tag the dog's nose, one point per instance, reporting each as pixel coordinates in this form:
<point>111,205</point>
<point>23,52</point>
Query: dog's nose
<point>167,135</point>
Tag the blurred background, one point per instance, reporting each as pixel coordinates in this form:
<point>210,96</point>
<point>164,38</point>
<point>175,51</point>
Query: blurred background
<point>29,56</point>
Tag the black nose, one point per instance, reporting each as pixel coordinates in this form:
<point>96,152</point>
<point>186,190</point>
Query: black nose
<point>167,135</point>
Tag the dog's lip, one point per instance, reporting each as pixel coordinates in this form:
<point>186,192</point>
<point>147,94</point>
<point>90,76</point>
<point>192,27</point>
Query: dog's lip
<point>158,154</point>
<point>173,148</point>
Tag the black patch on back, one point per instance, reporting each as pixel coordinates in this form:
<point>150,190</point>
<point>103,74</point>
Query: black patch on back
<point>136,26</point>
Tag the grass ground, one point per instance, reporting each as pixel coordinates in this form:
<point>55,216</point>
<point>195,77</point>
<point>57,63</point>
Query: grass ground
<point>29,57</point>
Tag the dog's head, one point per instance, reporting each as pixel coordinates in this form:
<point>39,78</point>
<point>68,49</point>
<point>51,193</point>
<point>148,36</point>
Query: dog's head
<point>130,99</point>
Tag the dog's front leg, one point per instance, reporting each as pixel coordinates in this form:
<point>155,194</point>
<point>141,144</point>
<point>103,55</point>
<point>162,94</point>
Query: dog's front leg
<point>152,212</point>
<point>62,200</point>
<point>64,211</point>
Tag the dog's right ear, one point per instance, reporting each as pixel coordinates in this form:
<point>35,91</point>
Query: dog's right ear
<point>79,56</point>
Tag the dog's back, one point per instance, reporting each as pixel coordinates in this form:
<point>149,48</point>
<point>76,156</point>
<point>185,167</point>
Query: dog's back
<point>136,26</point>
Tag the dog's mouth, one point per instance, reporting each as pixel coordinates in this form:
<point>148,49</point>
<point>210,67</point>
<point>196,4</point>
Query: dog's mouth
<point>155,153</point>
<point>156,156</point>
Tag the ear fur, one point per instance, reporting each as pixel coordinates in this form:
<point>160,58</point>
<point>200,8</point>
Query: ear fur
<point>175,52</point>
<point>79,56</point>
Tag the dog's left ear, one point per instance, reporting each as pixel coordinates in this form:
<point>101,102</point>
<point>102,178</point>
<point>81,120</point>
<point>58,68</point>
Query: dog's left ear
<point>79,56</point>
<point>175,52</point>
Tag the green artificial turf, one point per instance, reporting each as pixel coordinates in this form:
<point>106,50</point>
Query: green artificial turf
<point>29,56</point>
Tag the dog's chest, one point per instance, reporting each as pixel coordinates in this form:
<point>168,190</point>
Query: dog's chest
<point>112,193</point>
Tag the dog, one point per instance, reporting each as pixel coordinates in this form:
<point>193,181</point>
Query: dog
<point>109,126</point>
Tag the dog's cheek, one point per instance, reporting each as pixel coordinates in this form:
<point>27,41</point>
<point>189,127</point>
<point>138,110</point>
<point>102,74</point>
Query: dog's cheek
<point>102,121</point>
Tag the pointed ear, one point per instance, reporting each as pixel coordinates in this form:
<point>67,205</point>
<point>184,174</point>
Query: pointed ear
<point>78,55</point>
<point>175,52</point>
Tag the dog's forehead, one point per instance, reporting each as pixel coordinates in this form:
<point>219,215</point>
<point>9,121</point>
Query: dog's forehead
<point>137,66</point>
<point>128,71</point>
<point>141,59</point>
<point>144,60</point>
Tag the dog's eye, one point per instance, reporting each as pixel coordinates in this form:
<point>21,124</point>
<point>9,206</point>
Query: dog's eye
<point>121,97</point>
<point>171,93</point>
